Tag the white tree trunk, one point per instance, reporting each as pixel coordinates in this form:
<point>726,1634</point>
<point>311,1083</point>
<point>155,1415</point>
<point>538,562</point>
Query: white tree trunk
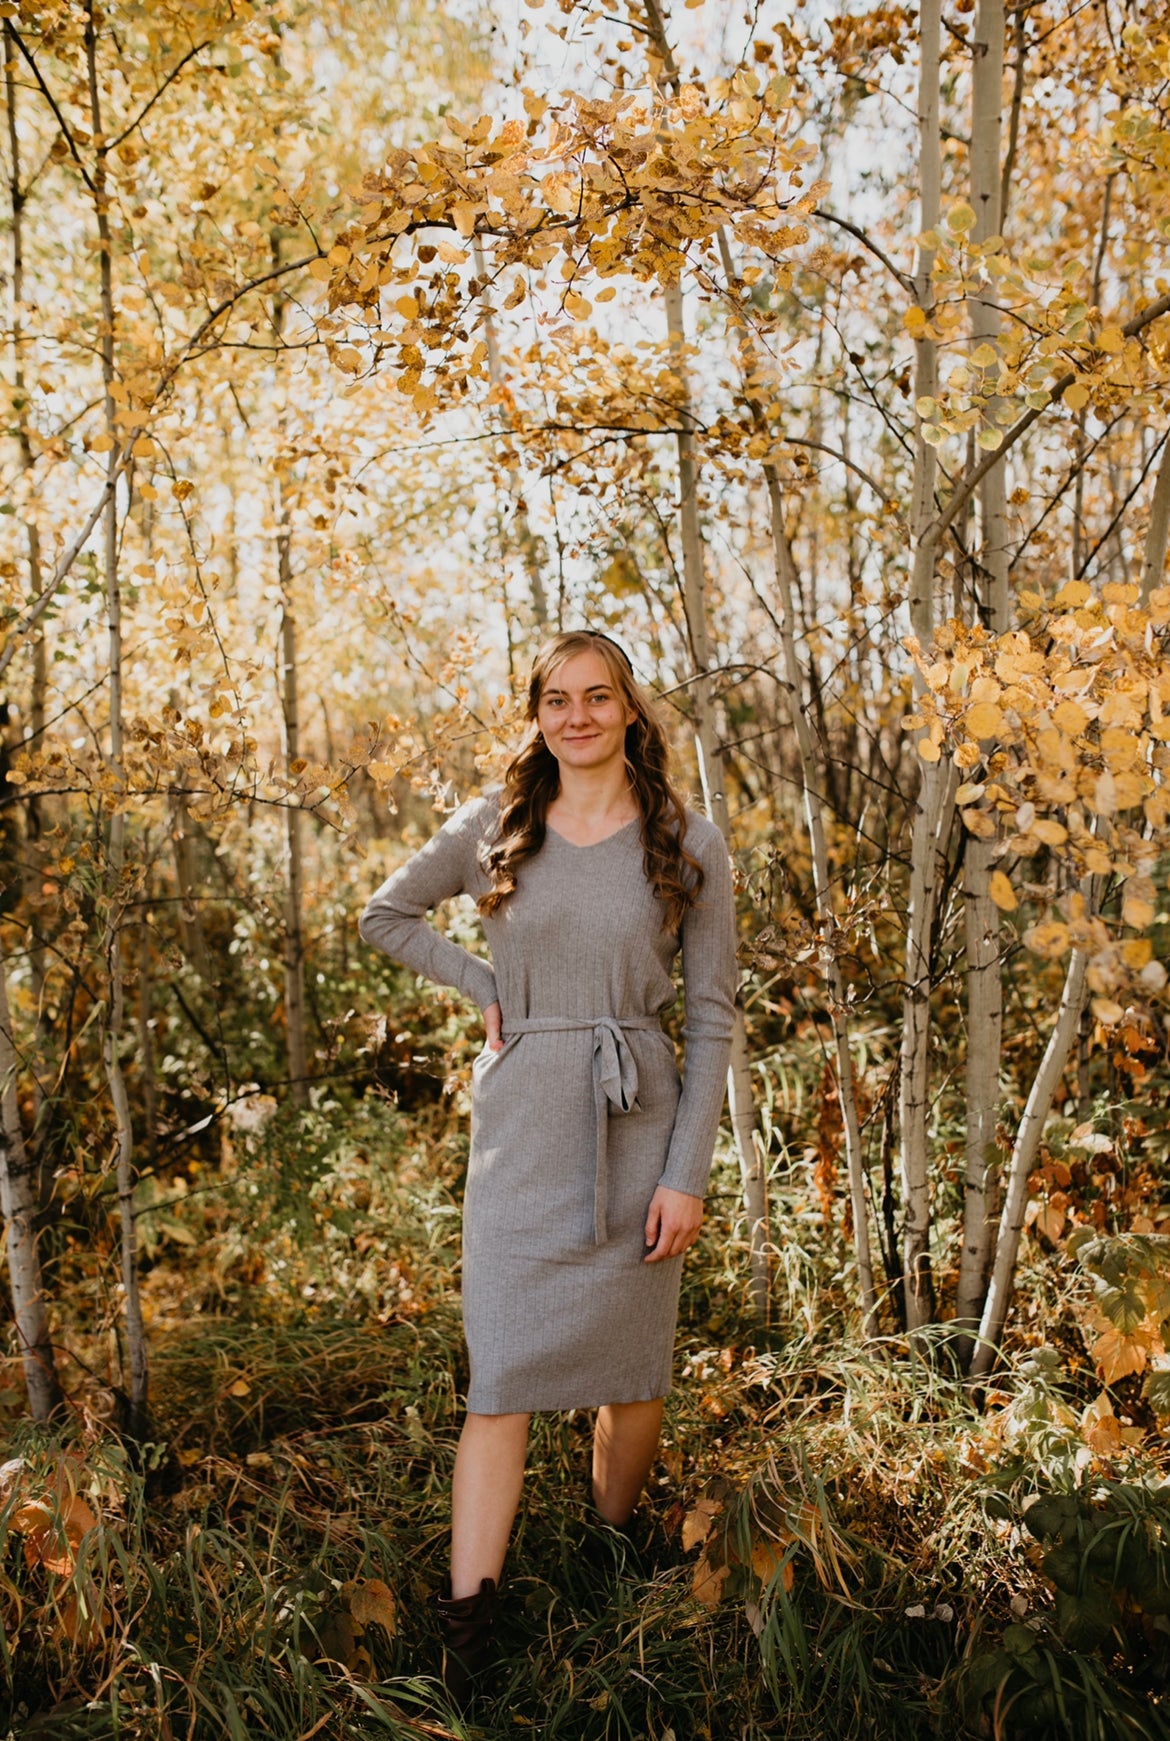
<point>815,823</point>
<point>136,1421</point>
<point>981,915</point>
<point>18,1199</point>
<point>711,774</point>
<point>1011,1223</point>
<point>33,870</point>
<point>294,924</point>
<point>932,819</point>
<point>1154,564</point>
<point>525,538</point>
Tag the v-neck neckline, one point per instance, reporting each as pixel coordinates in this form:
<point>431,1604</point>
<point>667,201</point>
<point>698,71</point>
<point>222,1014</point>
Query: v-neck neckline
<point>587,846</point>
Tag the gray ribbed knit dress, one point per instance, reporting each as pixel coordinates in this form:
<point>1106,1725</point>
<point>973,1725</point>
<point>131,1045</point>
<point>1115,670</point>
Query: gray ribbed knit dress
<point>580,1116</point>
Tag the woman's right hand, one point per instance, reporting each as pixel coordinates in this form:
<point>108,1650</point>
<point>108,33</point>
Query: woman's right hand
<point>493,1021</point>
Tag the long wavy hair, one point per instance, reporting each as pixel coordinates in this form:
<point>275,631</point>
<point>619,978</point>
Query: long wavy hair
<point>532,781</point>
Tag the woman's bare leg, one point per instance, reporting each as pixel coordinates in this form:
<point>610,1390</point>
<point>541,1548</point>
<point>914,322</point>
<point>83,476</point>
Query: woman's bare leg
<point>489,1474</point>
<point>625,1440</point>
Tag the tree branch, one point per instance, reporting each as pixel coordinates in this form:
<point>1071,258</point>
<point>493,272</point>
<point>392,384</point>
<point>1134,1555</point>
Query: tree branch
<point>903,278</point>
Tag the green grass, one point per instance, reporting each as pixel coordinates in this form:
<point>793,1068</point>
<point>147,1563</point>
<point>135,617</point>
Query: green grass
<point>306,1415</point>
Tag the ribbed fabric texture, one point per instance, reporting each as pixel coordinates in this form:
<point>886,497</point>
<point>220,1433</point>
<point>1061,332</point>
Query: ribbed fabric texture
<point>553,1319</point>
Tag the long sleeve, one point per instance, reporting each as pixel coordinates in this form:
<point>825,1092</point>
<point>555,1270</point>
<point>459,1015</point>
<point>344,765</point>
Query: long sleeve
<point>709,987</point>
<point>395,916</point>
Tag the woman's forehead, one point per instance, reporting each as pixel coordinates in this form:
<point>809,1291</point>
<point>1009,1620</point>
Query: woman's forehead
<point>584,670</point>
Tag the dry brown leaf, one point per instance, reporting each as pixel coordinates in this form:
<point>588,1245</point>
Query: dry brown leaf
<point>768,1559</point>
<point>373,1604</point>
<point>708,1582</point>
<point>697,1523</point>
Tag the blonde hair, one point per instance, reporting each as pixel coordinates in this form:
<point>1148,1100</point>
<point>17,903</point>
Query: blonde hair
<point>532,781</point>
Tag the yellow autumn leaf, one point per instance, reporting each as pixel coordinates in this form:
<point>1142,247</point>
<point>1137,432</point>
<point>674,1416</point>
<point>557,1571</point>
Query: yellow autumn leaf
<point>1051,833</point>
<point>929,750</point>
<point>984,720</point>
<point>1118,1355</point>
<point>1049,1221</point>
<point>1137,952</point>
<point>1077,396</point>
<point>578,306</point>
<point>1072,594</point>
<point>978,823</point>
<point>321,270</point>
<point>1130,789</point>
<point>1111,340</point>
<point>1107,1012</point>
<point>463,217</point>
<point>1071,717</point>
<point>1050,938</point>
<point>969,792</point>
<point>1137,912</point>
<point>1002,893</point>
<point>961,218</point>
<point>1101,1428</point>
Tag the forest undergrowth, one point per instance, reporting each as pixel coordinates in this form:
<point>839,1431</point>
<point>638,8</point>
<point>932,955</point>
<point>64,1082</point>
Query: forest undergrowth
<point>837,1541</point>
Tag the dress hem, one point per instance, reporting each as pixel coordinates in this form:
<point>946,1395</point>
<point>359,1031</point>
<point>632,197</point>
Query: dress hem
<point>561,1407</point>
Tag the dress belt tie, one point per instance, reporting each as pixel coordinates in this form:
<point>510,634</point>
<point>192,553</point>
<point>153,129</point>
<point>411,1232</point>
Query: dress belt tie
<point>615,1084</point>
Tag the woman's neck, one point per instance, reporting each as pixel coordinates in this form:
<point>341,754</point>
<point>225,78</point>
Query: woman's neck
<point>594,796</point>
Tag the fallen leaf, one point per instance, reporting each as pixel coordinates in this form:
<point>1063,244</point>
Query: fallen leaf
<point>768,1559</point>
<point>708,1582</point>
<point>697,1523</point>
<point>373,1604</point>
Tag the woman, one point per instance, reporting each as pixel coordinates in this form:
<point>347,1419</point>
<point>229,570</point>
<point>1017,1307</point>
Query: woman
<point>588,1165</point>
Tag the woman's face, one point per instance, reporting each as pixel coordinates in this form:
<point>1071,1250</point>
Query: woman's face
<point>582,717</point>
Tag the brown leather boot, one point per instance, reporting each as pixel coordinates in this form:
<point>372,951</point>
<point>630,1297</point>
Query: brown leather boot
<point>469,1625</point>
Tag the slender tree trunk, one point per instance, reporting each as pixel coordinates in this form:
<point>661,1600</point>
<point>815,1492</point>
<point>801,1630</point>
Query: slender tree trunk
<point>1154,563</point>
<point>815,823</point>
<point>294,932</point>
<point>1011,1223</point>
<point>33,876</point>
<point>18,1199</point>
<point>710,756</point>
<point>981,916</point>
<point>146,1071</point>
<point>294,908</point>
<point>116,846</point>
<point>712,776</point>
<point>933,813</point>
<point>191,935</point>
<point>525,538</point>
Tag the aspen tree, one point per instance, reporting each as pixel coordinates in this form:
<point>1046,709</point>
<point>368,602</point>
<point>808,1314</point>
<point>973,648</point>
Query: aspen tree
<point>36,714</point>
<point>712,773</point>
<point>18,1202</point>
<point>116,868</point>
<point>937,783</point>
<point>990,604</point>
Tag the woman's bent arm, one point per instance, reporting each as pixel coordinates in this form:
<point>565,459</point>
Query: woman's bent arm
<point>395,916</point>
